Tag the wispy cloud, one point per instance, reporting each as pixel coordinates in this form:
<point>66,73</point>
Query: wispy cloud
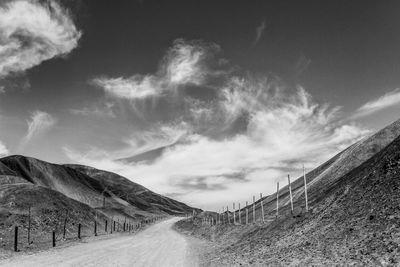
<point>32,32</point>
<point>387,100</point>
<point>102,110</point>
<point>243,135</point>
<point>38,123</point>
<point>182,65</point>
<point>3,150</point>
<point>259,32</point>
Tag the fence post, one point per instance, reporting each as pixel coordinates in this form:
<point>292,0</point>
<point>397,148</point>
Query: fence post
<point>114,226</point>
<point>305,188</point>
<point>254,209</point>
<point>54,239</point>
<point>262,207</point>
<point>234,217</point>
<point>65,224</point>
<point>29,226</point>
<point>105,227</point>
<point>247,213</point>
<point>277,200</point>
<point>79,231</point>
<point>240,219</point>
<point>290,193</point>
<point>16,239</point>
<point>95,228</point>
<point>227,214</point>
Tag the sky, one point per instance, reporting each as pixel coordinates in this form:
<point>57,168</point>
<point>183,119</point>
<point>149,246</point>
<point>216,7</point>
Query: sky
<point>208,102</point>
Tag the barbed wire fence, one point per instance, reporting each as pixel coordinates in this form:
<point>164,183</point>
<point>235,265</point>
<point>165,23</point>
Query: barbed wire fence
<point>234,217</point>
<point>56,226</point>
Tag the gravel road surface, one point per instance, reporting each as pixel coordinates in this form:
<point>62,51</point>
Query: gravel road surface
<point>158,245</point>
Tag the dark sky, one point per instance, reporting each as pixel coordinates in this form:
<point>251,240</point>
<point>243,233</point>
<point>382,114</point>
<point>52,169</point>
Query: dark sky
<point>92,81</point>
<point>353,46</point>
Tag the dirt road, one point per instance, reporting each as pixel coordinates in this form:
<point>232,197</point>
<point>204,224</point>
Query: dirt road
<point>158,245</point>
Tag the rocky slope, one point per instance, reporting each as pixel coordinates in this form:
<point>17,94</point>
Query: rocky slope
<point>354,217</point>
<point>325,176</point>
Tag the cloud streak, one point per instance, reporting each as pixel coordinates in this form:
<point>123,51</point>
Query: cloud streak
<point>31,32</point>
<point>182,65</point>
<point>386,101</point>
<point>39,123</point>
<point>259,32</point>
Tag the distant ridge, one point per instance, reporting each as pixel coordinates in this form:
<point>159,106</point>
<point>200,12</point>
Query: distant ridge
<point>107,192</point>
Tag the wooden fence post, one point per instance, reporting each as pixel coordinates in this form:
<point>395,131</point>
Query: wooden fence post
<point>290,193</point>
<point>247,213</point>
<point>16,239</point>
<point>254,209</point>
<point>277,199</point>
<point>54,239</point>
<point>234,217</point>
<point>79,231</point>
<point>29,225</point>
<point>240,219</point>
<point>65,224</point>
<point>305,188</point>
<point>262,207</point>
<point>95,228</point>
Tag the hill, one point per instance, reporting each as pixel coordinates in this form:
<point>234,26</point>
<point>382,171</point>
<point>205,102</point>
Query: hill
<point>81,193</point>
<point>327,175</point>
<point>354,217</point>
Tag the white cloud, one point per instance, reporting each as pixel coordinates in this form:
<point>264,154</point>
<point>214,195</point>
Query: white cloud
<point>31,33</point>
<point>387,100</point>
<point>135,87</point>
<point>38,123</point>
<point>182,65</point>
<point>247,133</point>
<point>281,129</point>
